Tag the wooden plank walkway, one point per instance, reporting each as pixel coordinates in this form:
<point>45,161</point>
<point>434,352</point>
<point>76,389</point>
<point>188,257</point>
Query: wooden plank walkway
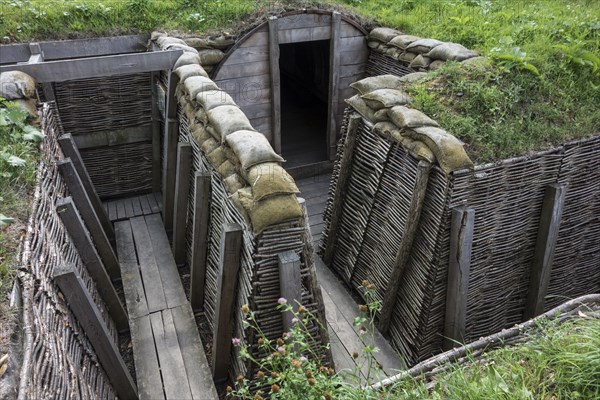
<point>340,306</point>
<point>169,357</point>
<point>125,208</point>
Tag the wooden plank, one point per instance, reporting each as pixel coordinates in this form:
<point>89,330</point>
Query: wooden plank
<point>94,67</point>
<point>251,95</point>
<point>354,43</point>
<point>352,70</point>
<point>263,125</point>
<point>275,85</point>
<point>342,361</point>
<point>169,170</point>
<point>172,367</point>
<point>111,209</point>
<point>137,207</point>
<point>70,150</point>
<point>348,30</point>
<point>121,214</point>
<point>158,197</point>
<point>340,188</point>
<point>305,34</point>
<point>146,209</point>
<point>299,21</point>
<point>153,203</point>
<point>254,111</point>
<point>151,277</point>
<point>200,238</point>
<point>91,259</point>
<point>248,55</point>
<point>133,288</point>
<point>290,284</point>
<point>169,275</point>
<point>89,217</point>
<point>231,246</point>
<point>236,85</point>
<point>248,69</point>
<point>125,244</point>
<point>146,360</point>
<point>543,256</point>
<point>114,137</point>
<point>194,358</point>
<point>334,77</point>
<point>88,315</point>
<point>354,57</point>
<point>182,192</point>
<point>459,267</point>
<point>156,133</point>
<point>128,207</point>
<point>63,49</point>
<point>404,252</point>
<point>260,37</point>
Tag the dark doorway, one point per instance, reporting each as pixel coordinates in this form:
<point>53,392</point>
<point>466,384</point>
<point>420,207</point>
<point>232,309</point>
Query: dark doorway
<point>304,71</point>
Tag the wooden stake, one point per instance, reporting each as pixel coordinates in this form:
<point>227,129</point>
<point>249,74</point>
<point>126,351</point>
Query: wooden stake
<point>275,84</point>
<point>169,172</point>
<point>200,238</point>
<point>334,82</point>
<point>156,173</point>
<point>541,268</point>
<point>459,266</point>
<point>290,284</point>
<point>182,192</point>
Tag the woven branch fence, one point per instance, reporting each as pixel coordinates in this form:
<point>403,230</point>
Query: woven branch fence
<point>507,200</point>
<point>58,361</point>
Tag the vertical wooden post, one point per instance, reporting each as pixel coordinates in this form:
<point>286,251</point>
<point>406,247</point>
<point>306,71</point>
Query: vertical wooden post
<point>403,256</point>
<point>290,284</point>
<point>231,247</point>
<point>89,216</point>
<point>334,82</point>
<point>88,315</point>
<point>182,192</point>
<point>37,56</point>
<point>340,188</point>
<point>156,173</point>
<point>200,238</point>
<point>70,150</point>
<point>171,138</point>
<point>89,256</point>
<point>275,84</point>
<point>543,257</point>
<point>459,266</point>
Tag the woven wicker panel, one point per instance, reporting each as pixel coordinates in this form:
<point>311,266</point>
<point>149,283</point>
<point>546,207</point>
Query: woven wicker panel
<point>576,267</point>
<point>58,362</point>
<point>382,64</point>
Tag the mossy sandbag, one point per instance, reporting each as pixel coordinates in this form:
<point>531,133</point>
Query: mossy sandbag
<point>252,148</point>
<point>214,98</point>
<point>233,183</point>
<point>217,156</point>
<point>210,56</point>
<point>228,119</point>
<point>402,41</point>
<point>197,84</point>
<point>423,46</point>
<point>271,210</point>
<point>385,98</point>
<point>209,145</point>
<point>372,83</point>
<point>420,61</point>
<point>384,34</point>
<point>451,51</point>
<point>415,148</point>
<point>270,179</point>
<point>16,85</point>
<point>448,150</point>
<point>226,168</point>
<point>361,107</point>
<point>405,117</point>
<point>187,71</point>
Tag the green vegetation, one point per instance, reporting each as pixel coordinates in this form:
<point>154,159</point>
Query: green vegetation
<point>18,164</point>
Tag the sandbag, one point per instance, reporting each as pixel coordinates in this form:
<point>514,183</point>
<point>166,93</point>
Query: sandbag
<point>252,148</point>
<point>217,156</point>
<point>435,65</point>
<point>393,52</point>
<point>200,134</point>
<point>479,63</point>
<point>373,44</point>
<point>414,77</point>
<point>16,85</point>
<point>384,34</point>
<point>448,150</point>
<point>423,45</point>
<point>221,42</point>
<point>213,133</point>
<point>226,168</point>
<point>164,40</point>
<point>385,98</point>
<point>197,43</point>
<point>228,119</point>
<point>201,116</point>
<point>233,183</point>
<point>184,47</point>
<point>187,71</point>
<point>361,107</point>
<point>407,56</point>
<point>367,85</point>
<point>420,61</point>
<point>270,179</point>
<point>381,115</point>
<point>210,56</point>
<point>197,84</point>
<point>214,98</point>
<point>271,210</point>
<point>187,59</point>
<point>451,51</point>
<point>417,149</point>
<point>209,145</point>
<point>402,41</point>
<point>189,110</point>
<point>156,34</point>
<point>405,117</point>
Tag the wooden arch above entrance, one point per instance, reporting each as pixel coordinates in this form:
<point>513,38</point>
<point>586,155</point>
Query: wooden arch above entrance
<point>291,74</point>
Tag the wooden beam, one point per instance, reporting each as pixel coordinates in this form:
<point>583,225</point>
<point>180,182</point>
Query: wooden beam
<point>543,257</point>
<point>169,171</point>
<point>275,84</point>
<point>182,192</point>
<point>93,67</point>
<point>290,284</point>
<point>334,77</point>
<point>89,216</point>
<point>156,134</point>
<point>171,100</point>
<point>114,137</point>
<point>403,256</point>
<point>88,315</point>
<point>63,49</point>
<point>89,256</point>
<point>70,150</point>
<point>199,238</point>
<point>231,247</point>
<point>340,188</point>
<point>459,267</point>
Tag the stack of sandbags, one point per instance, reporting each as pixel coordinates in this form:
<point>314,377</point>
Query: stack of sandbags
<point>208,52</point>
<point>261,189</point>
<point>380,100</point>
<point>20,88</point>
<point>418,53</point>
